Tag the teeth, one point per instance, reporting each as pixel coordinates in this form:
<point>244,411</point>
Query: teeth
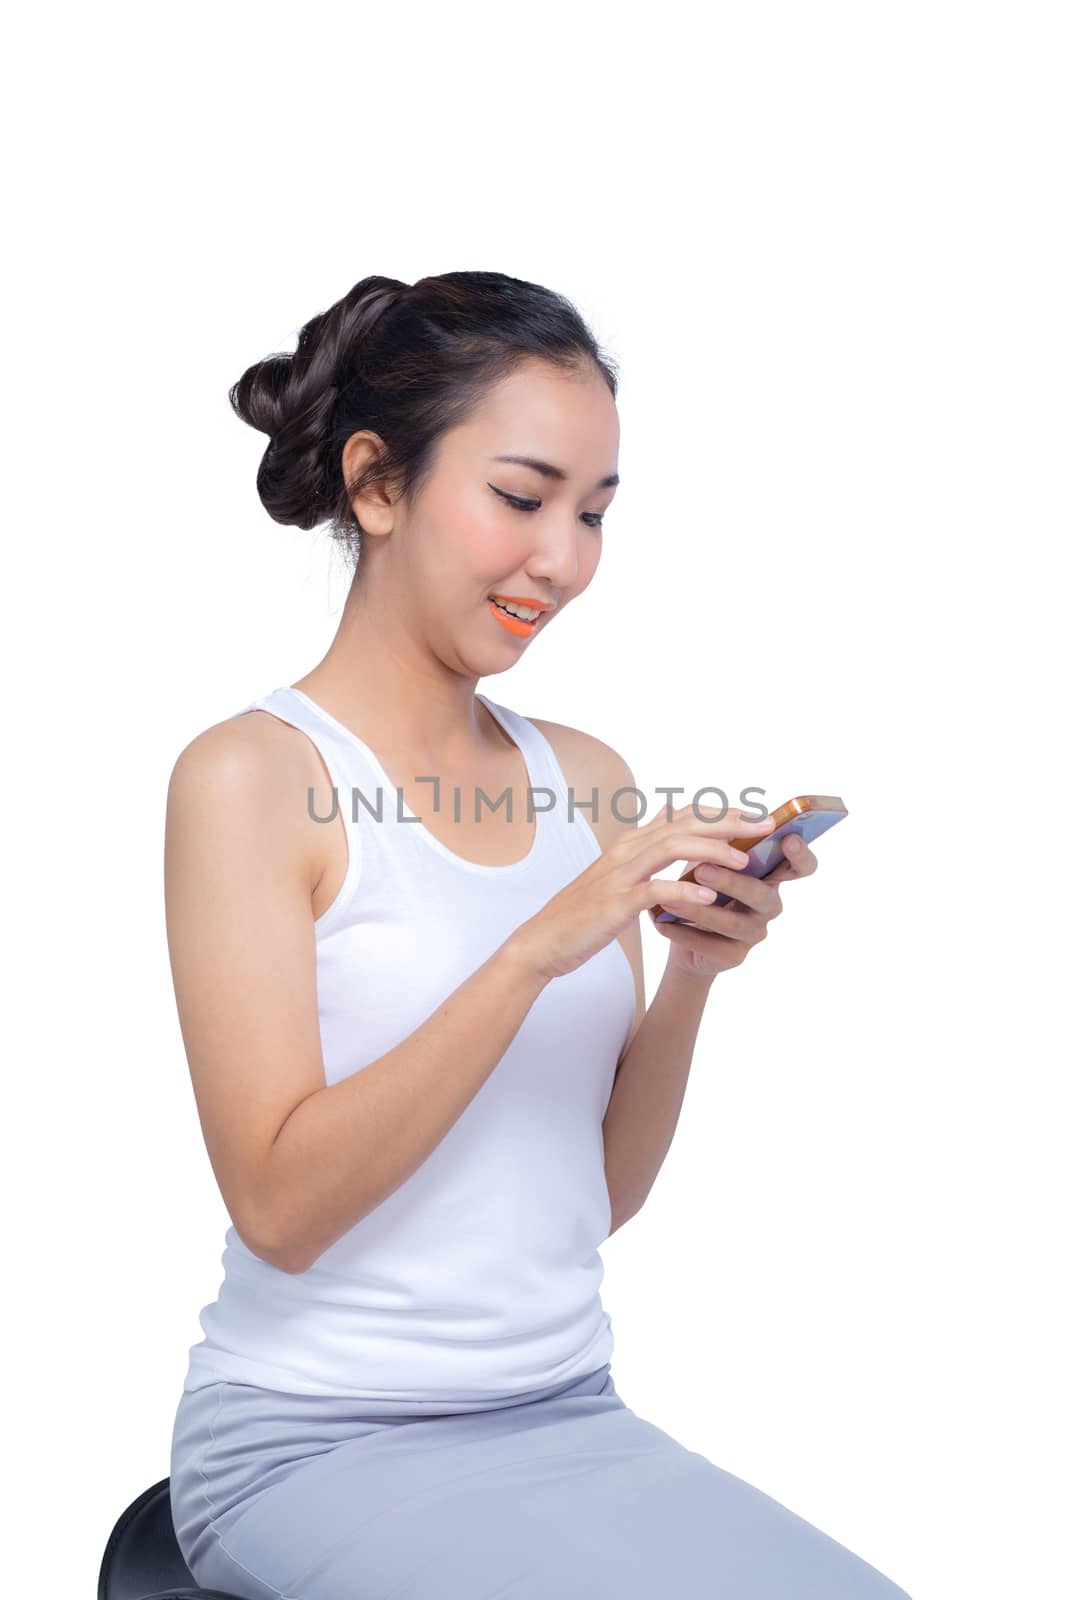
<point>524,613</point>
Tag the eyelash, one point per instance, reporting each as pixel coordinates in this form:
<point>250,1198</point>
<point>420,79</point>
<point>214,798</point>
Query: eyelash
<point>534,505</point>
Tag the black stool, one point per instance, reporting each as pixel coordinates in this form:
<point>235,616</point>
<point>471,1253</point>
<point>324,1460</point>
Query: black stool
<point>142,1560</point>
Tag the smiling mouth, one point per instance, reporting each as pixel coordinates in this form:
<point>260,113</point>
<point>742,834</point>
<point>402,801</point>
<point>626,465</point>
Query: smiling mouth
<point>520,626</point>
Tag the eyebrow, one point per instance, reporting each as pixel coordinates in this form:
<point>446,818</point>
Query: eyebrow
<point>547,470</point>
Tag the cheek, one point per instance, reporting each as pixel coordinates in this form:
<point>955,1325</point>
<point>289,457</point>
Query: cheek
<point>494,547</point>
<point>465,543</point>
<point>588,560</point>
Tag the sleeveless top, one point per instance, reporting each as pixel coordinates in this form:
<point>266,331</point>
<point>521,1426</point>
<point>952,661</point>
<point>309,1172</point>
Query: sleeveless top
<point>478,1278</point>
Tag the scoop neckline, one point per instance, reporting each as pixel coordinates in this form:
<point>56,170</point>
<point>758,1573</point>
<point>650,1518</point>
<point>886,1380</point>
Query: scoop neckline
<point>416,825</point>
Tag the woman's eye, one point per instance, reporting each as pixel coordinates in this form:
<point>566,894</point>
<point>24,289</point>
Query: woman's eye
<point>592,519</point>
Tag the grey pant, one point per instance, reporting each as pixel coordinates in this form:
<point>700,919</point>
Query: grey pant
<point>564,1494</point>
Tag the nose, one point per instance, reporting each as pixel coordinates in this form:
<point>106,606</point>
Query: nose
<point>554,558</point>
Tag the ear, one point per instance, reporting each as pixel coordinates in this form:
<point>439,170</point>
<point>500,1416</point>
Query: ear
<point>375,505</point>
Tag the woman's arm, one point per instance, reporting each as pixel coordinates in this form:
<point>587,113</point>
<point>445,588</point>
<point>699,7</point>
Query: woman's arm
<point>650,1084</point>
<point>298,1162</point>
<point>654,1066</point>
<point>653,1070</point>
<point>649,1089</point>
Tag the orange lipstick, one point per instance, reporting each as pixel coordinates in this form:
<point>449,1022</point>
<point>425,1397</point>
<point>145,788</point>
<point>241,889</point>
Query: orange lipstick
<point>517,625</point>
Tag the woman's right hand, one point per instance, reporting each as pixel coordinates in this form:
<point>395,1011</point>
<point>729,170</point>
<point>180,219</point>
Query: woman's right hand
<point>600,902</point>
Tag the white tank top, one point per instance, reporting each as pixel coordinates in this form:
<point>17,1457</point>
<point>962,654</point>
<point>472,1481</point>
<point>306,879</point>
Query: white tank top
<point>479,1277</point>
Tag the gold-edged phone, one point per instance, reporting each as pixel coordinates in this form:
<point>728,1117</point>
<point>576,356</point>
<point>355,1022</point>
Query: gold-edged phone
<point>806,814</point>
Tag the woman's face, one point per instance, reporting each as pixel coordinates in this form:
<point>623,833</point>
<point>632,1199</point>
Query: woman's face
<point>482,525</point>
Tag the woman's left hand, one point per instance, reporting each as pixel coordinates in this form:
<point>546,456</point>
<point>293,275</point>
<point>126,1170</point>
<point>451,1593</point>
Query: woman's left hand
<point>725,934</point>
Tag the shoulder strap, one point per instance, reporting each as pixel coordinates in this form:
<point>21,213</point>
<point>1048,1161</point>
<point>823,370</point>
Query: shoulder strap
<point>546,772</point>
<point>337,758</point>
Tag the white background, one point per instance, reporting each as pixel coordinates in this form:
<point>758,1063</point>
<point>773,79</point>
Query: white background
<point>826,245</point>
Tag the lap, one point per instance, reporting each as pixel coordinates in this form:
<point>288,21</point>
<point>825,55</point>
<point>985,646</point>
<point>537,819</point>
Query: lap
<point>571,1497</point>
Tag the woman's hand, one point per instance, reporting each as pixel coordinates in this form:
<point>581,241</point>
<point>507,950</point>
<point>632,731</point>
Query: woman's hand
<point>600,902</point>
<point>727,933</point>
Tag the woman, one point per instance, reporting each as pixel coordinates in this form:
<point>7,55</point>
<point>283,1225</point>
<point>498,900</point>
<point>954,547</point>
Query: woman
<point>415,1018</point>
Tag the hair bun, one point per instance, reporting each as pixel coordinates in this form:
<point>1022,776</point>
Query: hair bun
<point>290,397</point>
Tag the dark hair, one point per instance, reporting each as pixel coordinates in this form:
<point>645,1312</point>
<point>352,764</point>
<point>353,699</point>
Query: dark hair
<point>408,361</point>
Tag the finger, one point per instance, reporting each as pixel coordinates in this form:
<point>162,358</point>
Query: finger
<point>727,952</point>
<point>730,922</point>
<point>759,894</point>
<point>651,852</point>
<point>732,823</point>
<point>800,861</point>
<point>670,894</point>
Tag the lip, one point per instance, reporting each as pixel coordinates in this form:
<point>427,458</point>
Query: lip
<point>516,626</point>
<point>523,600</point>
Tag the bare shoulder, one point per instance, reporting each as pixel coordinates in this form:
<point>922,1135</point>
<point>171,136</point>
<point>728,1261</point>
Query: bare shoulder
<point>243,783</point>
<point>233,757</point>
<point>589,764</point>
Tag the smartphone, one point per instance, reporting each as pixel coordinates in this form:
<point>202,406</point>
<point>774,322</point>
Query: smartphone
<point>806,814</point>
